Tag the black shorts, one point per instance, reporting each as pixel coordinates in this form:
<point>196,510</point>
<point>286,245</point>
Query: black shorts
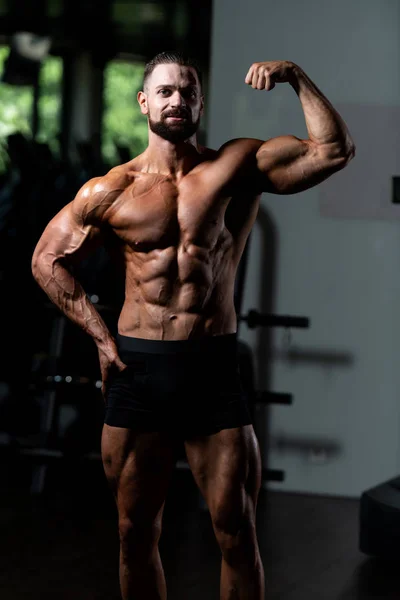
<point>184,387</point>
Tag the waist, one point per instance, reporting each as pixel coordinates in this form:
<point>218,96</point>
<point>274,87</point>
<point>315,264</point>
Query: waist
<point>141,319</point>
<point>212,344</point>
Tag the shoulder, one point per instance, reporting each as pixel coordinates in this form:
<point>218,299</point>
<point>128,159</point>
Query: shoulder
<point>99,194</point>
<point>235,162</point>
<point>113,182</point>
<point>235,146</point>
<point>236,154</point>
<point>240,147</point>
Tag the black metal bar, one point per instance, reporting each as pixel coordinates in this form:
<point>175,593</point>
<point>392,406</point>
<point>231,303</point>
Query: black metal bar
<point>264,397</point>
<point>256,319</point>
<point>273,475</point>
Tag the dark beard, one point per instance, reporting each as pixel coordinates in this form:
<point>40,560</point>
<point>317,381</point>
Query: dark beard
<point>174,133</point>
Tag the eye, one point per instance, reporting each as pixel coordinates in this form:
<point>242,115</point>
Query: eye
<point>164,92</point>
<point>191,93</point>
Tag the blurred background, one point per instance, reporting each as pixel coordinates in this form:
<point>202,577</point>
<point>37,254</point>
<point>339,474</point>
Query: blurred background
<point>316,294</point>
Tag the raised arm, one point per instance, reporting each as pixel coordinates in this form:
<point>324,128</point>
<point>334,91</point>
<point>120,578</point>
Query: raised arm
<point>287,164</point>
<point>72,233</point>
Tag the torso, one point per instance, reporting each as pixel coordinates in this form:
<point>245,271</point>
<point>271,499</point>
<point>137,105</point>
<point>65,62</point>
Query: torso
<point>181,243</point>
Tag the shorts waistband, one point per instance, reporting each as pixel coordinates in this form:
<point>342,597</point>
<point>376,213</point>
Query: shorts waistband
<point>215,343</point>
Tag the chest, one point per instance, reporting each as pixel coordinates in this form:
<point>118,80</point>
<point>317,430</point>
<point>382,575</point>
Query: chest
<point>161,213</point>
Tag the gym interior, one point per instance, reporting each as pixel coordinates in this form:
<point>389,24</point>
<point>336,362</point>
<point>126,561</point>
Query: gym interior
<point>317,296</point>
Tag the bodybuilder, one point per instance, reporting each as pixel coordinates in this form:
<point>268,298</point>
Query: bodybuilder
<point>179,216</point>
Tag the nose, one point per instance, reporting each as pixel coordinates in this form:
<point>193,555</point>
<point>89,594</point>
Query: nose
<point>177,99</point>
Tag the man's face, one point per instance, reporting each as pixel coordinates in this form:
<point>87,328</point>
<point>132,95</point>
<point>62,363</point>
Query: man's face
<point>173,102</point>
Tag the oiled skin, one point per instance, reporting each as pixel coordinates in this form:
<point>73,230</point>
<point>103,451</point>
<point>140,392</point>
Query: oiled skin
<point>180,214</point>
<point>180,257</point>
<point>179,244</point>
<point>178,217</point>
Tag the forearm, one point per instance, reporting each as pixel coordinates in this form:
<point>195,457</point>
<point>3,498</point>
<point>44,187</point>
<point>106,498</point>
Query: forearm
<point>69,296</point>
<point>324,124</point>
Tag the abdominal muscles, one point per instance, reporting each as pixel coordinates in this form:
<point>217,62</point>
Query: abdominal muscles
<point>179,292</point>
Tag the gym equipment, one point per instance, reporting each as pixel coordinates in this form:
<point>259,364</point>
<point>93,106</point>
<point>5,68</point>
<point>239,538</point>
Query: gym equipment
<point>379,520</point>
<point>61,381</point>
<point>257,397</point>
<point>60,386</point>
<point>255,319</point>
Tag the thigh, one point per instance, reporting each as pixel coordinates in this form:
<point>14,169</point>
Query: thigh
<point>226,466</point>
<point>138,467</point>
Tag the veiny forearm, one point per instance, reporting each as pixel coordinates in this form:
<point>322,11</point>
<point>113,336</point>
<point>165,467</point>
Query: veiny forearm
<point>323,122</point>
<point>69,296</point>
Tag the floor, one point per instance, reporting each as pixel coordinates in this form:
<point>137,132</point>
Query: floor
<point>63,544</point>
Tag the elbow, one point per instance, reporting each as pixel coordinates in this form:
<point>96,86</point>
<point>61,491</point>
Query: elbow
<point>347,150</point>
<point>35,262</point>
<point>35,265</point>
<point>347,156</point>
<point>40,264</point>
<point>339,156</point>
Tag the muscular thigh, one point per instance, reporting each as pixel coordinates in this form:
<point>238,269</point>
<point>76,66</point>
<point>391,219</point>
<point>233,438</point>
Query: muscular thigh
<point>138,467</point>
<point>226,466</point>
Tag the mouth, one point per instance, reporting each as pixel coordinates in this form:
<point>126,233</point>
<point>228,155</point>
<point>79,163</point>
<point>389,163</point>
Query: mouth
<point>177,119</point>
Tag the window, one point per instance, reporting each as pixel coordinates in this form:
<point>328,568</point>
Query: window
<point>124,126</point>
<point>50,101</point>
<point>16,105</point>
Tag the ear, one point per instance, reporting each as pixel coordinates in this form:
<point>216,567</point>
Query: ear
<point>142,99</point>
<point>201,105</point>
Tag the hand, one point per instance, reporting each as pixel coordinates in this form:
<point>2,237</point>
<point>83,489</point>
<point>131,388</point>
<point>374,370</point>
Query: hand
<point>110,365</point>
<point>264,75</point>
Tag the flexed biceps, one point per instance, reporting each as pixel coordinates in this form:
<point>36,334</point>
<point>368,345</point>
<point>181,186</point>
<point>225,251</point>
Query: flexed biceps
<point>180,215</point>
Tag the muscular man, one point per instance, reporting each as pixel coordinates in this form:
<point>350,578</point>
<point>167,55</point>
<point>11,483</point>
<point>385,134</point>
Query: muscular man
<point>179,215</point>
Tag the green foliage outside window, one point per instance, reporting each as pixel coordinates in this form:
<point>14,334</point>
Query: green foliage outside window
<point>16,106</point>
<point>15,110</point>
<point>123,123</point>
<point>50,101</point>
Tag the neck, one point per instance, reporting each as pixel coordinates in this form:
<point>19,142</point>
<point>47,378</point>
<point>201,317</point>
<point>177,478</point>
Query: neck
<point>171,159</point>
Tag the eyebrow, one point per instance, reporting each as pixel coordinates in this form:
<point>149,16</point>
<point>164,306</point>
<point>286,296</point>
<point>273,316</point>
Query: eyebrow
<point>168,85</point>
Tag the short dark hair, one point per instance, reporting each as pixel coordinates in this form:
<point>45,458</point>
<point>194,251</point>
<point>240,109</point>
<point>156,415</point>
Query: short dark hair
<point>174,57</point>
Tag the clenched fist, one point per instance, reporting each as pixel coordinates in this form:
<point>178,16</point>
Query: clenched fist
<point>264,75</point>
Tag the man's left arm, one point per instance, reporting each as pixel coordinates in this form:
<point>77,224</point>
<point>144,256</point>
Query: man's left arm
<point>290,164</point>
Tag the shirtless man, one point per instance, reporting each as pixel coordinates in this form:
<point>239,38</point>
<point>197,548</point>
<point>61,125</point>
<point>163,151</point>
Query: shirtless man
<point>179,216</point>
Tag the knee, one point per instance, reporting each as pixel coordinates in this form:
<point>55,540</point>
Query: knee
<point>229,518</point>
<point>138,536</point>
<point>234,528</point>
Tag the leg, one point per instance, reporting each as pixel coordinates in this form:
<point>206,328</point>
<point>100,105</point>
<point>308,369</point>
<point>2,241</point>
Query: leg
<point>227,469</point>
<point>138,468</point>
